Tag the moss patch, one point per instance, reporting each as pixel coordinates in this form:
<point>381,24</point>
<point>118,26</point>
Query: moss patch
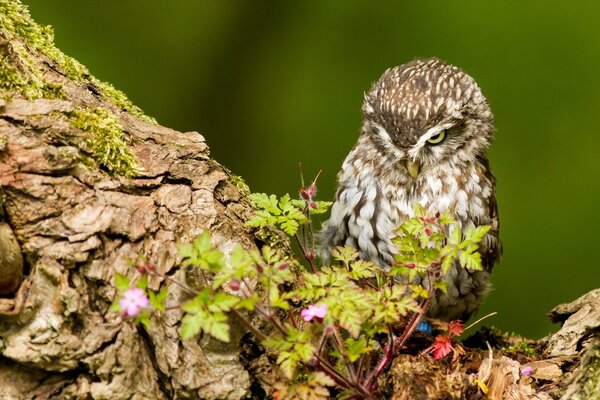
<point>105,140</point>
<point>239,183</point>
<point>17,25</point>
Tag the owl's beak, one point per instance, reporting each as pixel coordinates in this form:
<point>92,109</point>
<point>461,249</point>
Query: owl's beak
<point>413,168</point>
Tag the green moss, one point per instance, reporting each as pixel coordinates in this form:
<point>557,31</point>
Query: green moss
<point>13,82</point>
<point>15,22</point>
<point>590,378</point>
<point>105,141</point>
<point>120,100</point>
<point>239,183</point>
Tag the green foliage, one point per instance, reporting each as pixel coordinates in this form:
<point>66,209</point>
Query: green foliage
<point>338,315</point>
<point>425,243</point>
<point>293,348</point>
<point>285,213</point>
<point>282,213</point>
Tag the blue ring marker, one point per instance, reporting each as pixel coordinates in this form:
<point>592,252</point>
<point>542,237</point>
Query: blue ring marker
<point>425,326</point>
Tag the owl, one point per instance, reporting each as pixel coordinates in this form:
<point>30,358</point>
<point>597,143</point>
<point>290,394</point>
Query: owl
<point>426,128</point>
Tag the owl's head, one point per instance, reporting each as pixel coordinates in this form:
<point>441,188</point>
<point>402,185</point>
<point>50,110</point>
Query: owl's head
<point>426,112</point>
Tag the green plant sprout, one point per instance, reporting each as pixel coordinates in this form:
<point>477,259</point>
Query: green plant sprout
<point>332,328</point>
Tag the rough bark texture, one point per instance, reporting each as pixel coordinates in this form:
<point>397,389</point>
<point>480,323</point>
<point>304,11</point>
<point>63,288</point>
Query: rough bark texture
<point>77,226</point>
<point>88,183</point>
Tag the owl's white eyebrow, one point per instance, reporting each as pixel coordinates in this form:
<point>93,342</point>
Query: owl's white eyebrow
<point>386,139</point>
<point>426,136</point>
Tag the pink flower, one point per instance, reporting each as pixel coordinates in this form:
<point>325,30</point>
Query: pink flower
<point>132,301</point>
<point>527,371</point>
<point>314,311</point>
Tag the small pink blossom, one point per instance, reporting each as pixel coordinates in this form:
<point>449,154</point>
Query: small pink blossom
<point>314,311</point>
<point>527,371</point>
<point>132,301</point>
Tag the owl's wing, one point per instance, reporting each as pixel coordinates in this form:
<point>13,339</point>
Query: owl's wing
<point>491,247</point>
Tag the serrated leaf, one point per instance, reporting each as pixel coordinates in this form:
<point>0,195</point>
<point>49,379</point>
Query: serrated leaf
<point>322,207</point>
<point>363,269</point>
<point>142,283</point>
<point>217,325</point>
<point>222,302</point>
<point>471,261</point>
<point>157,300</point>
<point>441,285</point>
<point>345,254</point>
<point>446,219</point>
<point>455,236</point>
<point>356,348</point>
<point>190,325</point>
<point>197,303</point>
<point>121,282</point>
<point>115,307</point>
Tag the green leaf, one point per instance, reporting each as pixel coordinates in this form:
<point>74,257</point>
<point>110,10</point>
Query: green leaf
<point>364,269</point>
<point>142,282</point>
<point>191,325</point>
<point>115,307</point>
<point>441,285</point>
<point>197,303</point>
<point>471,261</point>
<point>157,300</point>
<point>217,325</point>
<point>322,207</point>
<point>285,213</point>
<point>356,348</point>
<point>222,302</point>
<point>446,219</point>
<point>455,236</point>
<point>345,254</point>
<point>121,282</point>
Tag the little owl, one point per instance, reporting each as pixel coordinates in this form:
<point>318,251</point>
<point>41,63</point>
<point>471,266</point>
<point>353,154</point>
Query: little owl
<point>426,127</point>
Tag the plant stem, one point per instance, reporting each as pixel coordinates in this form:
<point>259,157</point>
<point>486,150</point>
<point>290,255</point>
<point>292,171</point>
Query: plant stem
<point>347,363</point>
<point>308,257</point>
<point>340,379</point>
<point>174,281</point>
<point>261,336</point>
<point>388,354</point>
<point>412,324</point>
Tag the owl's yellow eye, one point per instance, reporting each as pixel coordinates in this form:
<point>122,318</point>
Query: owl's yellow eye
<point>435,139</point>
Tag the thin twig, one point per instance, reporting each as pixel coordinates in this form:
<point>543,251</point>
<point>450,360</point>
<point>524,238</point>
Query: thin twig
<point>261,336</point>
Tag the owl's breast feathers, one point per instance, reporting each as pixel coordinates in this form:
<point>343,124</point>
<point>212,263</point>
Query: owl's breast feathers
<point>375,196</point>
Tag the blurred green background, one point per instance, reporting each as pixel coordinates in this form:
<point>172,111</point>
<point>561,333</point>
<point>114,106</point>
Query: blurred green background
<point>271,83</point>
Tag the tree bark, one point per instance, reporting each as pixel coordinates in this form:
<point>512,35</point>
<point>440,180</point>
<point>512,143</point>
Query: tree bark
<point>78,221</point>
<point>88,183</point>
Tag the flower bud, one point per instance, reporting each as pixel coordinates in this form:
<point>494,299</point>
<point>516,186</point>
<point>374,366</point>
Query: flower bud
<point>234,284</point>
<point>304,194</point>
<point>283,265</point>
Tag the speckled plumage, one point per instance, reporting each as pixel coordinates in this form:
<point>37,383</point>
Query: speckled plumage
<point>408,105</point>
